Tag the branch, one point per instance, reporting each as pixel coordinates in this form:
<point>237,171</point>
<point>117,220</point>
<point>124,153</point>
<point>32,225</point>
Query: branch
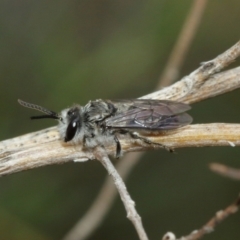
<point>44,148</point>
<point>33,150</point>
<point>191,87</point>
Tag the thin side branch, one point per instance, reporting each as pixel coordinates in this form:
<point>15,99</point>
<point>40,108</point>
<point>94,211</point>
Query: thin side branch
<point>213,222</point>
<point>121,187</point>
<point>92,219</point>
<point>210,225</point>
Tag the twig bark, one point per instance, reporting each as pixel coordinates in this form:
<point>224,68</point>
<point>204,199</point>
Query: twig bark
<point>53,152</point>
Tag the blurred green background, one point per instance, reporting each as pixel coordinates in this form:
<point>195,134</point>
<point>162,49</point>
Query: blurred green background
<point>55,53</point>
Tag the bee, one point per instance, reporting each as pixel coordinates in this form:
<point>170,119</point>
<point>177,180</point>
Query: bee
<point>101,122</point>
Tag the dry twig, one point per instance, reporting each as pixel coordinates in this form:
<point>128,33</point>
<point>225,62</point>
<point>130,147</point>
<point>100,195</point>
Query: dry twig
<point>198,85</point>
<point>126,199</point>
<point>210,225</point>
<point>44,148</point>
<point>37,151</point>
<point>95,214</point>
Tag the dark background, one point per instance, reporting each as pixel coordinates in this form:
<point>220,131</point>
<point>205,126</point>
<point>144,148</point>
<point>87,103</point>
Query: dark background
<point>55,53</point>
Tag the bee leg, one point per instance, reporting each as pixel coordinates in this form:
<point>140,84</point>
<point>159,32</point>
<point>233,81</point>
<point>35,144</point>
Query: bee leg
<point>118,147</point>
<point>135,135</point>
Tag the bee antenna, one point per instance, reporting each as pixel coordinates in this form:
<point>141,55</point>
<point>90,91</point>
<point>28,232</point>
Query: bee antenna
<point>49,113</point>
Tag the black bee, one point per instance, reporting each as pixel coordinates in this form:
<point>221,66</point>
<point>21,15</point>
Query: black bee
<point>100,122</point>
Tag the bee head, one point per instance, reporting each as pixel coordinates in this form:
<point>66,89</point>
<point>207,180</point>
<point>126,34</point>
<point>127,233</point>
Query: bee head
<point>69,120</point>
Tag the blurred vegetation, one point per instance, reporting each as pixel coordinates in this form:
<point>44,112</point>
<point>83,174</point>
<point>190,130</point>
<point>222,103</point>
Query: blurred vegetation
<point>55,53</point>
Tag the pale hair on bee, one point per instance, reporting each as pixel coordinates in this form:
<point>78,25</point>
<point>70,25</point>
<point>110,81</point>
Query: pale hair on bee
<point>101,122</point>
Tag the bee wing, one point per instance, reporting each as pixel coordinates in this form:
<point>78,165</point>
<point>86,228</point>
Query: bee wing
<point>151,115</point>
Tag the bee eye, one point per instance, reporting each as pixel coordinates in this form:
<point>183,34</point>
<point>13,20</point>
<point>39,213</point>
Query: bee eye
<point>71,130</point>
<point>69,113</point>
<point>74,123</point>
